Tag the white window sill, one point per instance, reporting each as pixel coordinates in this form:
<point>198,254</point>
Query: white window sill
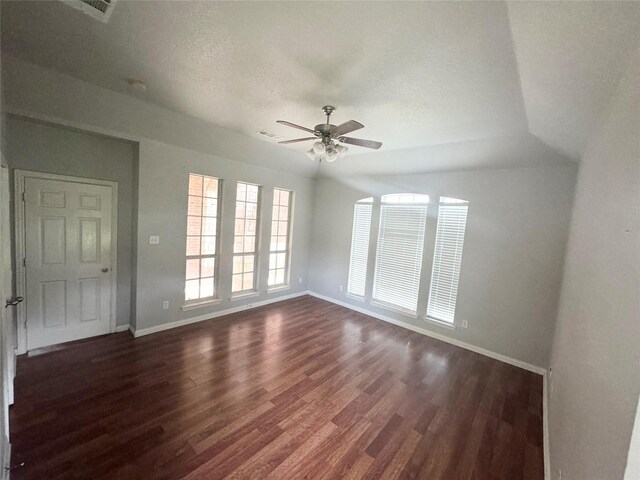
<point>243,295</point>
<point>394,308</point>
<point>279,288</point>
<point>355,297</point>
<point>439,323</point>
<point>203,304</point>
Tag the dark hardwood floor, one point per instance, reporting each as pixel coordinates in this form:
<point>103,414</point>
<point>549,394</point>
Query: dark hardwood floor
<point>301,389</point>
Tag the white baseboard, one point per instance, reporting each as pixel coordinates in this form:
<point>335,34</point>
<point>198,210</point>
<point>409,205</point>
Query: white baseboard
<point>208,316</point>
<point>5,462</point>
<point>122,328</point>
<point>545,425</point>
<point>482,351</point>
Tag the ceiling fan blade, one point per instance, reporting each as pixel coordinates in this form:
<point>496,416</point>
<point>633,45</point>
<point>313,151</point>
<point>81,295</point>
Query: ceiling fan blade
<point>361,143</point>
<point>347,127</point>
<point>298,140</point>
<point>289,124</point>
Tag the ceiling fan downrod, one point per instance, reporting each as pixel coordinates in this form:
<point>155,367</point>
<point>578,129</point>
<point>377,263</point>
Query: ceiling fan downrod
<point>328,110</point>
<point>324,130</point>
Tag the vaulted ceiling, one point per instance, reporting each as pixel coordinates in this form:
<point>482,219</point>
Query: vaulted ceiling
<point>443,85</point>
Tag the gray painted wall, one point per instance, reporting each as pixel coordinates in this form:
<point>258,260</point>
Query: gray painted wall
<point>162,210</point>
<point>512,260</point>
<point>52,149</point>
<point>596,349</point>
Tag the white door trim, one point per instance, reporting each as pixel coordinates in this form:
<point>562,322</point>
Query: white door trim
<point>21,287</point>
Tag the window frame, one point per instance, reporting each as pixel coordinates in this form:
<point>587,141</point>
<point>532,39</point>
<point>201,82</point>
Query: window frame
<point>428,253</point>
<point>287,251</point>
<point>256,248</point>
<point>216,255</point>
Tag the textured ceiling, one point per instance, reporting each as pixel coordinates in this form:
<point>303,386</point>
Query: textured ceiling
<point>571,56</point>
<point>450,85</point>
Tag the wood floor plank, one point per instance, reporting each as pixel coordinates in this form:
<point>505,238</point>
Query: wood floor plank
<point>301,389</point>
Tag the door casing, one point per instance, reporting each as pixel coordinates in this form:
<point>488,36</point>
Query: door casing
<point>7,347</point>
<point>21,287</point>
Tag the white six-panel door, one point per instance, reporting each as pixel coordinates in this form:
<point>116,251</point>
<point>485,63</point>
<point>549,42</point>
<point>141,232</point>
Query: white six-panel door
<point>68,260</point>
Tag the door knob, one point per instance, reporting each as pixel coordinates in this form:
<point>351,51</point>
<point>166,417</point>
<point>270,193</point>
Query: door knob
<point>12,302</point>
<point>105,269</point>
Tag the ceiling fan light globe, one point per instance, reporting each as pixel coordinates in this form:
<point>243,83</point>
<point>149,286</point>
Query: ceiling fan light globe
<point>311,154</point>
<point>331,155</point>
<point>341,149</point>
<point>318,148</point>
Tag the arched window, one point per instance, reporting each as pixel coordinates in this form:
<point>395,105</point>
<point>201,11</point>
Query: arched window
<point>406,198</point>
<point>399,245</point>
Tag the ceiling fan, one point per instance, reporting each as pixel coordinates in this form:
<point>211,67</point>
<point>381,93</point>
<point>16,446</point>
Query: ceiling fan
<point>327,135</point>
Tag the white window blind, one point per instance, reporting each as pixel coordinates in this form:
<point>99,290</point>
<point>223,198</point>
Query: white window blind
<point>360,247</point>
<point>447,258</point>
<point>396,280</point>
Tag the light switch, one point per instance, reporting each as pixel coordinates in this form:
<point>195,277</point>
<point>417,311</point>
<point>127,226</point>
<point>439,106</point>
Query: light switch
<point>154,240</point>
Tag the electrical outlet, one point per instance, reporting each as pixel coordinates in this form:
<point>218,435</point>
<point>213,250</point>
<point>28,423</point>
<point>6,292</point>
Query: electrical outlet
<point>465,324</point>
<point>154,240</point>
<point>341,287</point>
<point>165,305</point>
<point>300,280</point>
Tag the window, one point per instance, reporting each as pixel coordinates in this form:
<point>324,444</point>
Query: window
<point>396,279</point>
<point>202,232</point>
<point>245,244</point>
<point>360,247</point>
<point>279,251</point>
<point>452,221</point>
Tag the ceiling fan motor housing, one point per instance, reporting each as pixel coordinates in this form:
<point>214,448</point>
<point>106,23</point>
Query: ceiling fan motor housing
<point>324,129</point>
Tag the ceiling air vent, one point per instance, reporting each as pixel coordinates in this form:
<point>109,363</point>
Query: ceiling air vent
<point>269,135</point>
<point>99,9</point>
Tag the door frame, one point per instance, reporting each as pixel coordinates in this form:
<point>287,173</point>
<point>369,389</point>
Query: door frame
<point>21,279</point>
<point>7,348</point>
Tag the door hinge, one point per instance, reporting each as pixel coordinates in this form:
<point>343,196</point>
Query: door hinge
<point>24,262</point>
<point>23,197</point>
